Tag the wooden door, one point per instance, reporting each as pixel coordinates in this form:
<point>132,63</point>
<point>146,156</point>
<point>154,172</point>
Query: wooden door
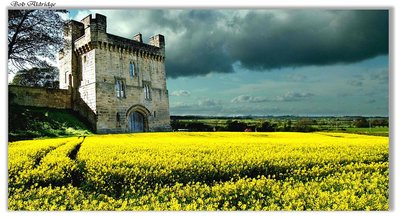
<point>136,122</point>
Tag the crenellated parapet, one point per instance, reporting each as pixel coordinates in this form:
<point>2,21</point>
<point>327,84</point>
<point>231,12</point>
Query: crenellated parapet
<point>95,37</point>
<point>147,52</point>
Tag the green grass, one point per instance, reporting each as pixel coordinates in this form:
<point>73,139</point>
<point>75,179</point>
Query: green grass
<point>34,122</point>
<point>374,131</point>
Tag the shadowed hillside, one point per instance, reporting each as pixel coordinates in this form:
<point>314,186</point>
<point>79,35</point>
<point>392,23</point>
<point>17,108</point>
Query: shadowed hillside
<point>33,122</point>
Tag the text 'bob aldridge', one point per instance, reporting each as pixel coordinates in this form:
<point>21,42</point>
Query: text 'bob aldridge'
<point>32,4</point>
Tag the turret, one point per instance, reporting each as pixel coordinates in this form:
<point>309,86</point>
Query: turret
<point>138,38</point>
<point>99,22</point>
<point>158,41</point>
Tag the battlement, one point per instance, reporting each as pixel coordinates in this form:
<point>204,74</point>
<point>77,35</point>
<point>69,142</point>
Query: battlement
<point>91,33</point>
<point>158,41</point>
<point>99,22</point>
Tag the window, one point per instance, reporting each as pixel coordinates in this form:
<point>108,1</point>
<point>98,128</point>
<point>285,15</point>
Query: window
<point>65,78</point>
<point>69,79</point>
<point>146,89</point>
<point>154,114</point>
<point>132,69</point>
<point>118,120</point>
<point>84,58</point>
<point>120,88</point>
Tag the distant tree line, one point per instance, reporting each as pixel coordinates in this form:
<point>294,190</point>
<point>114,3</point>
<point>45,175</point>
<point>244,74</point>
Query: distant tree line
<point>364,123</point>
<point>190,126</point>
<point>302,125</point>
<point>288,125</point>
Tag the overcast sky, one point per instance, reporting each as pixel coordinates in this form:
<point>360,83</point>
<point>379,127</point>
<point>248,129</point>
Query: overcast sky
<point>267,62</point>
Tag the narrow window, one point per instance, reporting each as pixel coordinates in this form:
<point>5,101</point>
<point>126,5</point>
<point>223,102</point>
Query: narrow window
<point>117,88</point>
<point>132,69</point>
<point>118,120</point>
<point>154,114</point>
<point>146,90</point>
<point>69,79</point>
<point>120,88</point>
<point>84,59</point>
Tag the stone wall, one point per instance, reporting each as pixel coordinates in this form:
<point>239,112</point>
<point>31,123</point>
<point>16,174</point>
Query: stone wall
<point>39,97</point>
<point>85,112</point>
<point>87,86</point>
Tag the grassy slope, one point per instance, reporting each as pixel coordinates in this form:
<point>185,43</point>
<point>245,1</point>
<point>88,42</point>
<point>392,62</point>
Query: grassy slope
<point>33,122</point>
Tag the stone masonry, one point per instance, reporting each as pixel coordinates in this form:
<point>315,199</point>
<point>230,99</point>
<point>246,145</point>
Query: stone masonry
<point>122,81</point>
<point>39,97</point>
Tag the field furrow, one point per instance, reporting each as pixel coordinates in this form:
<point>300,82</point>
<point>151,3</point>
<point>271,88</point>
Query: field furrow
<point>55,167</point>
<point>210,171</point>
<point>27,155</point>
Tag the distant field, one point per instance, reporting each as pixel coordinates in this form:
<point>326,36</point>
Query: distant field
<point>377,131</point>
<point>200,171</point>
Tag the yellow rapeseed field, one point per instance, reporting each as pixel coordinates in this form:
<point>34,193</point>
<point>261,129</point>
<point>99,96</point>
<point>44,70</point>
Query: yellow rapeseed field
<point>201,171</point>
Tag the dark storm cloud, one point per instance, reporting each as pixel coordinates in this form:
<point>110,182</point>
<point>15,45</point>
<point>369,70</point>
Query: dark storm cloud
<point>310,38</point>
<point>202,41</point>
<point>214,40</point>
<point>201,46</point>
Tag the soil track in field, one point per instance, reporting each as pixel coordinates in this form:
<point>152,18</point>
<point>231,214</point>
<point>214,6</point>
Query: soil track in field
<point>78,175</point>
<point>39,159</point>
<point>74,152</point>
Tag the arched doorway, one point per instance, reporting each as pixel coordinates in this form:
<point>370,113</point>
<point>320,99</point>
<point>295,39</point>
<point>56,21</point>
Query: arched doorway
<point>137,117</point>
<point>136,122</point>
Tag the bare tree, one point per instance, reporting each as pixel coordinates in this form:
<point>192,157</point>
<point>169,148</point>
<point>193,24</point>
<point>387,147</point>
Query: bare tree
<point>34,37</point>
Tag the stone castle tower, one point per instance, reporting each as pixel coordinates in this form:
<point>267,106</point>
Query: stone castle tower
<point>117,84</point>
